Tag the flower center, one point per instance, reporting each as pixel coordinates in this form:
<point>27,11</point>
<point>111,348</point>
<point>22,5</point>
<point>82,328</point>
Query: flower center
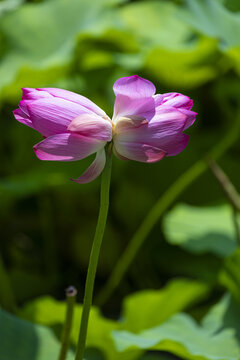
<point>126,123</point>
<point>113,128</point>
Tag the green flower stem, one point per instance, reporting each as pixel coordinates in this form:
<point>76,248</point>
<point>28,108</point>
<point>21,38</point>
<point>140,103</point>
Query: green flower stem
<point>162,205</point>
<point>71,294</point>
<point>92,267</point>
<point>230,192</point>
<point>227,186</point>
<point>235,214</point>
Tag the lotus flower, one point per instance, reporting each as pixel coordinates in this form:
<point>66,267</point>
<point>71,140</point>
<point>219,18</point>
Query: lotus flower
<point>145,127</point>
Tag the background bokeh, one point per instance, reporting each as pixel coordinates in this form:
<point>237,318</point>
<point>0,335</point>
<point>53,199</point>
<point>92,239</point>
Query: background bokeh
<point>48,222</point>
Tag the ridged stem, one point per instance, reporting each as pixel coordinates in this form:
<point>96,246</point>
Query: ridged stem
<point>92,267</point>
<point>71,294</point>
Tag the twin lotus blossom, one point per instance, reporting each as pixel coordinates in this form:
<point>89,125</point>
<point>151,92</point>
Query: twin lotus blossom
<point>145,127</point>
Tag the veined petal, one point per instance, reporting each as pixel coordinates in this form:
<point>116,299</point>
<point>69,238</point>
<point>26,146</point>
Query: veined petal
<point>120,157</point>
<point>181,102</point>
<point>191,117</point>
<point>134,96</point>
<point>176,144</point>
<point>167,122</point>
<point>177,100</point>
<point>170,117</point>
<point>67,147</point>
<point>22,117</point>
<point>134,87</point>
<point>158,99</point>
<point>26,92</point>
<point>75,98</point>
<point>164,131</point>
<point>125,106</point>
<point>139,152</point>
<point>34,94</point>
<point>94,170</point>
<point>30,95</point>
<point>23,106</point>
<point>52,116</point>
<point>92,125</point>
<point>129,122</point>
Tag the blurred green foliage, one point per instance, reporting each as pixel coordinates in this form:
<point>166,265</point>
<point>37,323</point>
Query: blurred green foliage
<point>178,328</point>
<point>47,222</point>
<point>199,230</point>
<point>182,336</point>
<point>135,316</point>
<point>30,341</point>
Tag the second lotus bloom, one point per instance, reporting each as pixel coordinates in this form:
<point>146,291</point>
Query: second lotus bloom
<point>145,127</point>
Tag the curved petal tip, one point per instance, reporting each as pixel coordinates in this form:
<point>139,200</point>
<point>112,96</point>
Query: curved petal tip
<point>94,170</point>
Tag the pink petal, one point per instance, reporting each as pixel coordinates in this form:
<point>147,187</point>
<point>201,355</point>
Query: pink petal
<point>191,117</point>
<point>52,116</point>
<point>34,94</point>
<point>125,106</point>
<point>139,152</point>
<point>167,122</point>
<point>170,116</point>
<point>22,117</point>
<point>177,100</point>
<point>164,131</point>
<point>176,144</point>
<point>134,96</point>
<point>158,99</point>
<point>134,87</point>
<point>67,147</point>
<point>181,102</point>
<point>26,91</point>
<point>23,106</point>
<point>73,97</point>
<point>129,122</point>
<point>92,125</point>
<point>120,157</point>
<point>94,170</point>
<point>30,95</point>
